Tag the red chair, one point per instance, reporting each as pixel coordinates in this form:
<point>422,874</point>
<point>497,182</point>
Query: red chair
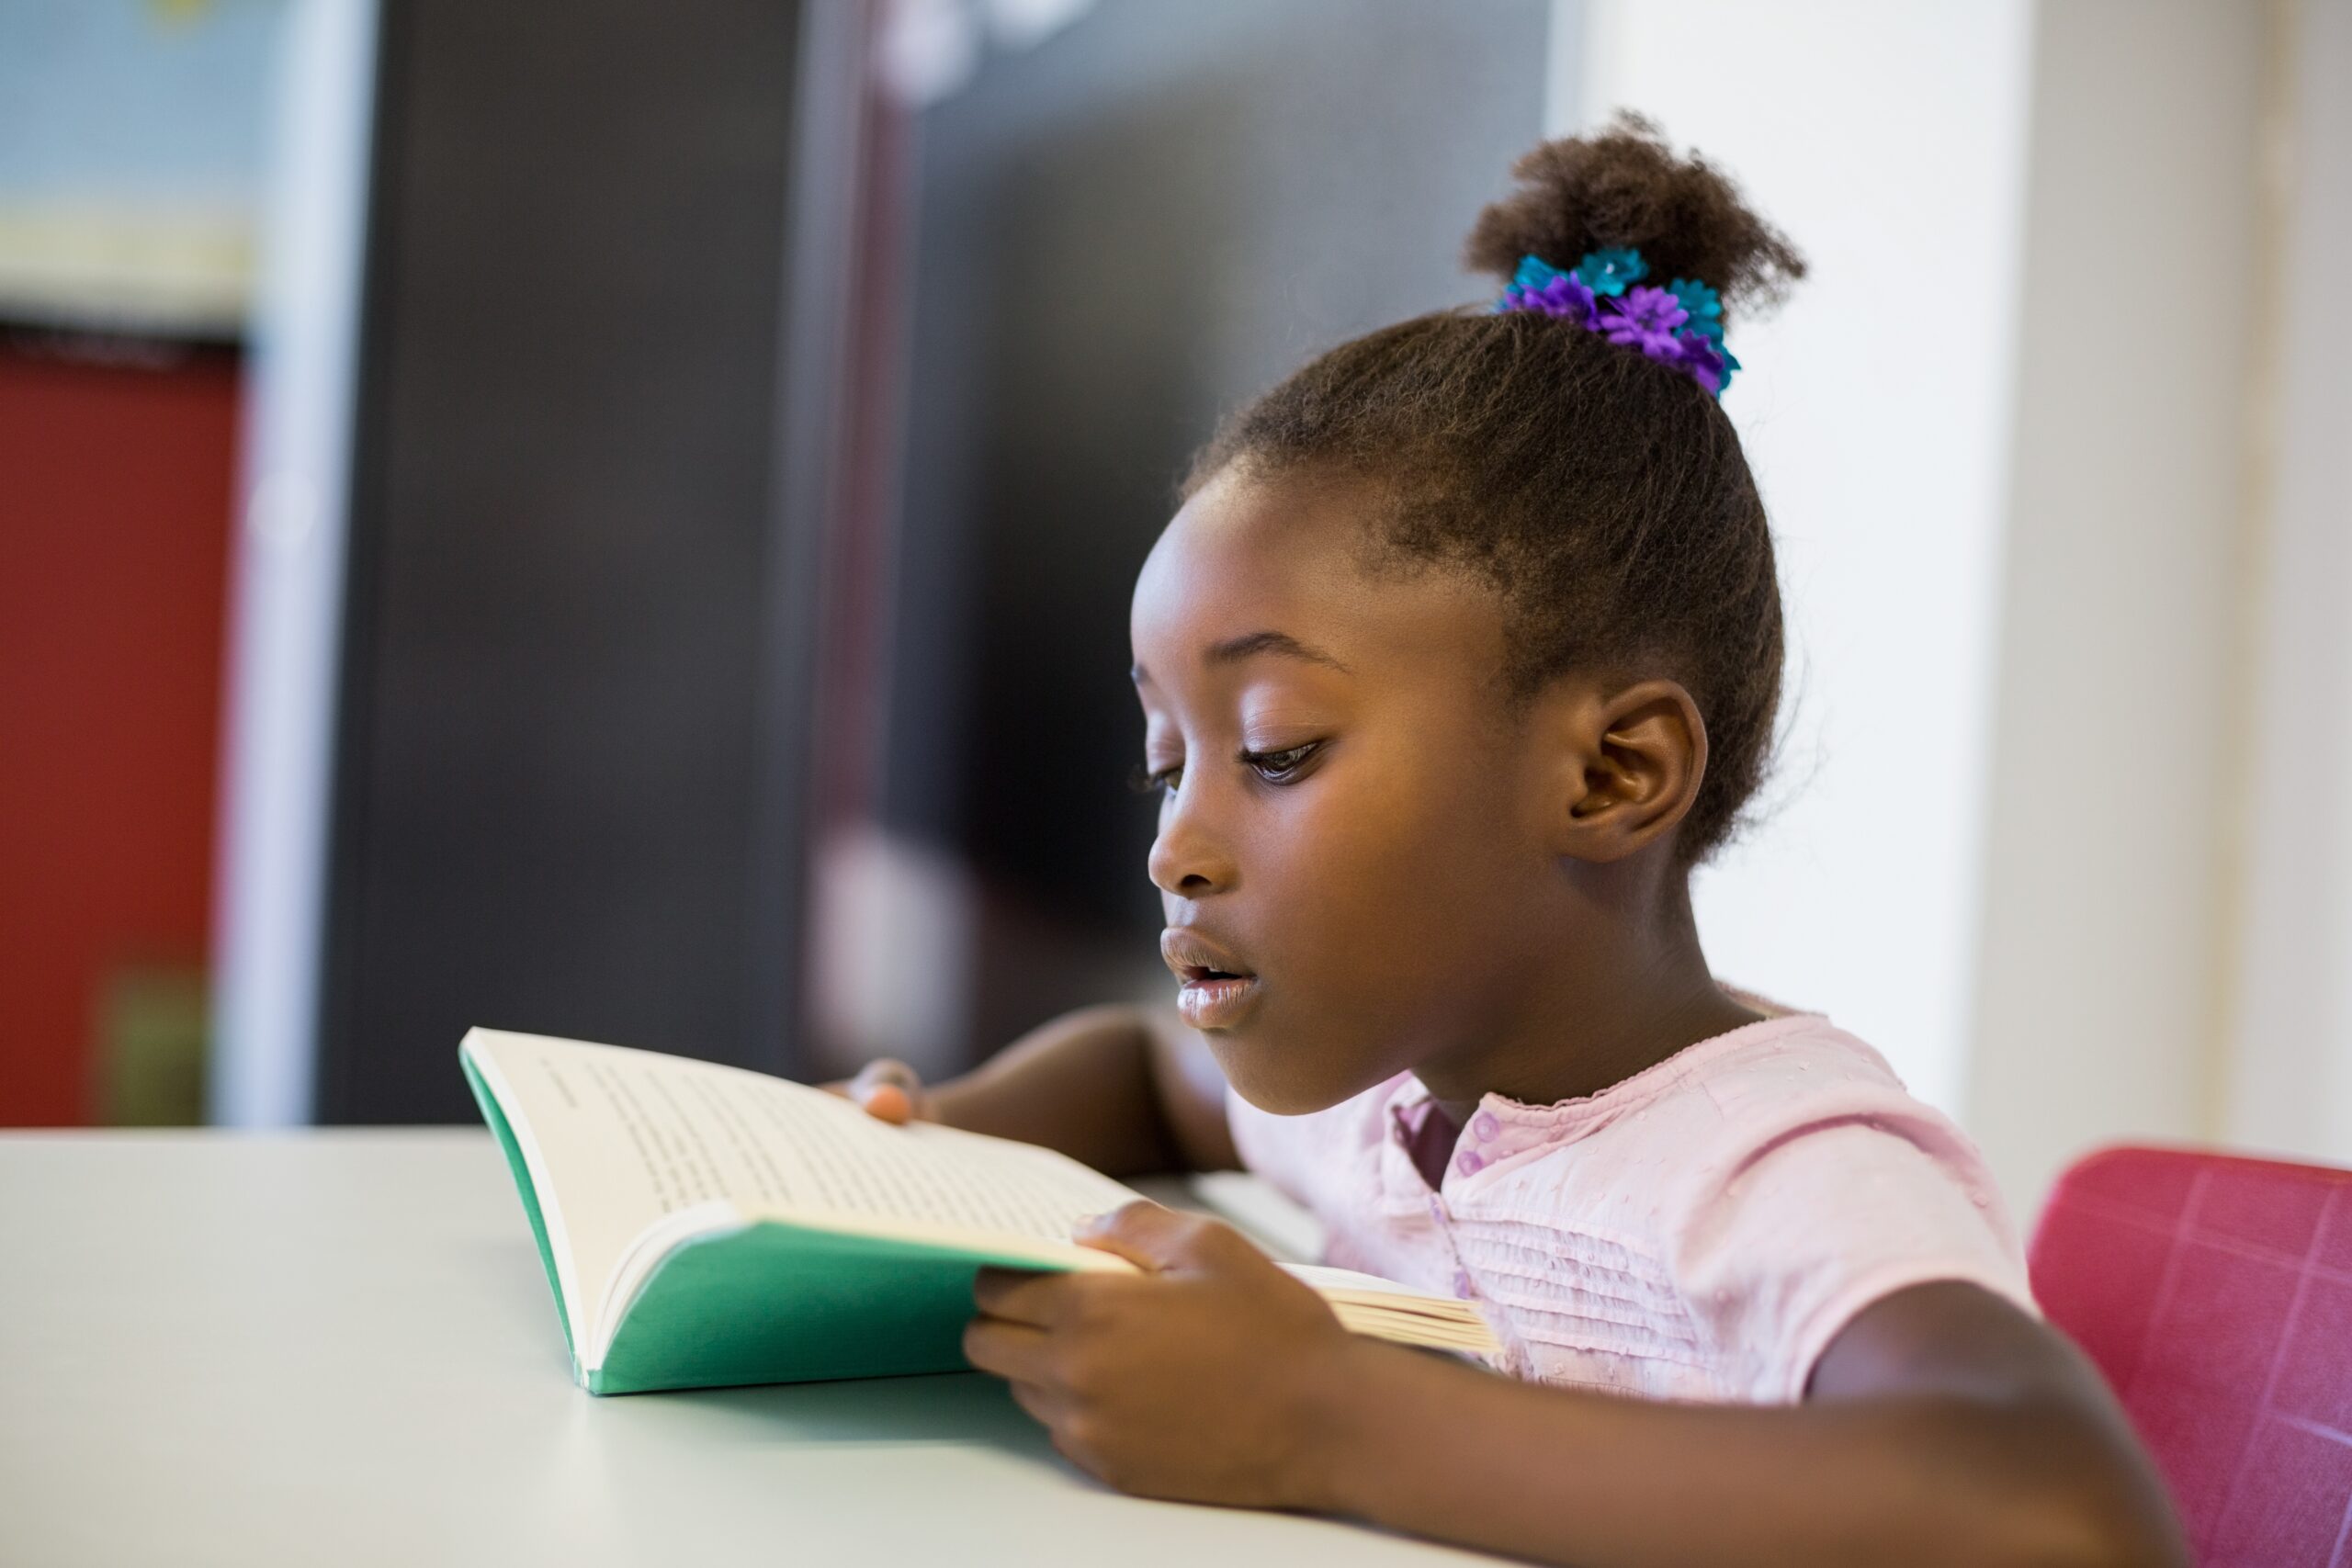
<point>2215,1293</point>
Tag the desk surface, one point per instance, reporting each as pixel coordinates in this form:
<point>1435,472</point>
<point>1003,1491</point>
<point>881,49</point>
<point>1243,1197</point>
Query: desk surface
<point>340,1348</point>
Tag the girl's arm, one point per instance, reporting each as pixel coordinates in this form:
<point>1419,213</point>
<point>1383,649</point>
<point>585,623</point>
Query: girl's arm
<point>1126,1090</point>
<point>1943,1427</point>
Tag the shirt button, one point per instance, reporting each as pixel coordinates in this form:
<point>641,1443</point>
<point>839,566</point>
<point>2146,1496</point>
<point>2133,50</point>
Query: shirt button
<point>1469,1162</point>
<point>1462,1283</point>
<point>1484,1126</point>
<point>1437,1212</point>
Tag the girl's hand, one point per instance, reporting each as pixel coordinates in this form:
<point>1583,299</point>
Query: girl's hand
<point>1209,1378</point>
<point>889,1090</point>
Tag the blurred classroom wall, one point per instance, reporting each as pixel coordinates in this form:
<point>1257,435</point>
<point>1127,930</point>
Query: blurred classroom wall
<point>2047,437</point>
<point>133,140</point>
<point>1889,142</point>
<point>540,723</point>
<point>2120,905</point>
<point>2285,990</point>
<point>1119,227</point>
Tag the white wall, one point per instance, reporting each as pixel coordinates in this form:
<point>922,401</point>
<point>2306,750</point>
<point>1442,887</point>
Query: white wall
<point>1888,141</point>
<point>2122,697</point>
<point>2068,826</point>
<point>2288,1077</point>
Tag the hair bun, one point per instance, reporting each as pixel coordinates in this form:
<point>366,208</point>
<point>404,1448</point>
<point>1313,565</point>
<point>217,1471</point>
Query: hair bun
<point>1625,187</point>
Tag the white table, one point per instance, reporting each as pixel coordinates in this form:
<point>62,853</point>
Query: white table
<point>339,1347</point>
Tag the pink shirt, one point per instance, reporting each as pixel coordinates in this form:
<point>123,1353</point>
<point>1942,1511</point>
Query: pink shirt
<point>1701,1231</point>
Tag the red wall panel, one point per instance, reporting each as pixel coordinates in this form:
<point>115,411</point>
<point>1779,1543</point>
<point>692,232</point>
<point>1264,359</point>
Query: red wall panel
<point>115,486</point>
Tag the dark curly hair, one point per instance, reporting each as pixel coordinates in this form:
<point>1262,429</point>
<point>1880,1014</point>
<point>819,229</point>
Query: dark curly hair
<point>1605,496</point>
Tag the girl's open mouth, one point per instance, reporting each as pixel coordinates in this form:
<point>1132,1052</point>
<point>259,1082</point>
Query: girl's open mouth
<point>1215,988</point>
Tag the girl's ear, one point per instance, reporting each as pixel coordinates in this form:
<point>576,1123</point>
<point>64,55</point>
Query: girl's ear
<point>1630,762</point>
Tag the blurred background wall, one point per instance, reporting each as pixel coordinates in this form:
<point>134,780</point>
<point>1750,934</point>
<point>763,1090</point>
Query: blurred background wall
<point>1876,412</point>
<point>134,146</point>
<point>2119,891</point>
<point>2065,766</point>
<point>686,468</point>
<point>1118,228</point>
<point>569,724</point>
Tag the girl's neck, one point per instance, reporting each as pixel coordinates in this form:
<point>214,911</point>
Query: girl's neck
<point>1621,997</point>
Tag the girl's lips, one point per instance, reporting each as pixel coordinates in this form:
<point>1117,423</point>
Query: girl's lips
<point>1217,1003</point>
<point>1217,989</point>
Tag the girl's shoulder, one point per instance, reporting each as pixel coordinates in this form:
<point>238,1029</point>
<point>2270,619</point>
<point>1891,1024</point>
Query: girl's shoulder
<point>1765,1083</point>
<point>1787,1064</point>
<point>1747,1084</point>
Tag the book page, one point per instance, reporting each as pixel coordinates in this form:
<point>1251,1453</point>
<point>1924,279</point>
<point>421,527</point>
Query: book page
<point>624,1138</point>
<point>1347,1283</point>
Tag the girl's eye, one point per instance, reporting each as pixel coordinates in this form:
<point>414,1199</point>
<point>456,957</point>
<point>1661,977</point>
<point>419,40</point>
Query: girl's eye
<point>1280,767</point>
<point>1146,780</point>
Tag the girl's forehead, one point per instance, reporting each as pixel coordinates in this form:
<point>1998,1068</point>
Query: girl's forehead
<point>1252,559</point>
<point>1247,550</point>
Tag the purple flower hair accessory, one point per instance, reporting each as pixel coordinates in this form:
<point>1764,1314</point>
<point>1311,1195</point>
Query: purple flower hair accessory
<point>1549,292</point>
<point>1709,362</point>
<point>1646,319</point>
<point>1680,325</point>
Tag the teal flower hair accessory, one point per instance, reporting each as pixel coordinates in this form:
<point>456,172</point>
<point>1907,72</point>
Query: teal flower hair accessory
<point>1681,325</point>
<point>1706,306</point>
<point>1608,271</point>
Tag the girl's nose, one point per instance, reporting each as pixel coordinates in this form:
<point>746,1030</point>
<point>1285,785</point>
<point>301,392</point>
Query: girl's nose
<point>1187,861</point>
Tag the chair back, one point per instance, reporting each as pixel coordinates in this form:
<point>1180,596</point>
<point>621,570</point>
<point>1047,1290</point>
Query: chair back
<point>2215,1293</point>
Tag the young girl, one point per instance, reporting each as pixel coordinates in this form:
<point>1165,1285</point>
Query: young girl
<point>1463,650</point>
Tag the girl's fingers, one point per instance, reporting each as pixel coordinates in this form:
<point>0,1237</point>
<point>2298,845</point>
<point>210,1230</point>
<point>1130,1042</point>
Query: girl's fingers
<point>887,1089</point>
<point>888,1102</point>
<point>1023,1295</point>
<point>1013,1351</point>
<point>1042,1404</point>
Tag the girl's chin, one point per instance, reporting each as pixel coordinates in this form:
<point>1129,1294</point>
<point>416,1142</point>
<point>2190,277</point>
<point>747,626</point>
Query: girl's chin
<point>1267,1075</point>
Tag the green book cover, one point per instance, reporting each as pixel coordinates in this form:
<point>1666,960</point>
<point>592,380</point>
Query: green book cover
<point>703,1226</point>
<point>721,1292</point>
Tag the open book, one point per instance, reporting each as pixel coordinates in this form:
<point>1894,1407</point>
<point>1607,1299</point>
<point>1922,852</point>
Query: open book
<point>705,1226</point>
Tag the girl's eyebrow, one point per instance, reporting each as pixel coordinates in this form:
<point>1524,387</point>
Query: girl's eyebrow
<point>1232,650</point>
<point>1248,645</point>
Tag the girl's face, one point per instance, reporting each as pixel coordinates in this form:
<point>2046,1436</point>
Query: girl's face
<point>1352,854</point>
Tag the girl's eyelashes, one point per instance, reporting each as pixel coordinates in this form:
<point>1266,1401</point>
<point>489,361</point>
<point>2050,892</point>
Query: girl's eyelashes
<point>1275,767</point>
<point>1146,780</point>
<point>1281,767</point>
